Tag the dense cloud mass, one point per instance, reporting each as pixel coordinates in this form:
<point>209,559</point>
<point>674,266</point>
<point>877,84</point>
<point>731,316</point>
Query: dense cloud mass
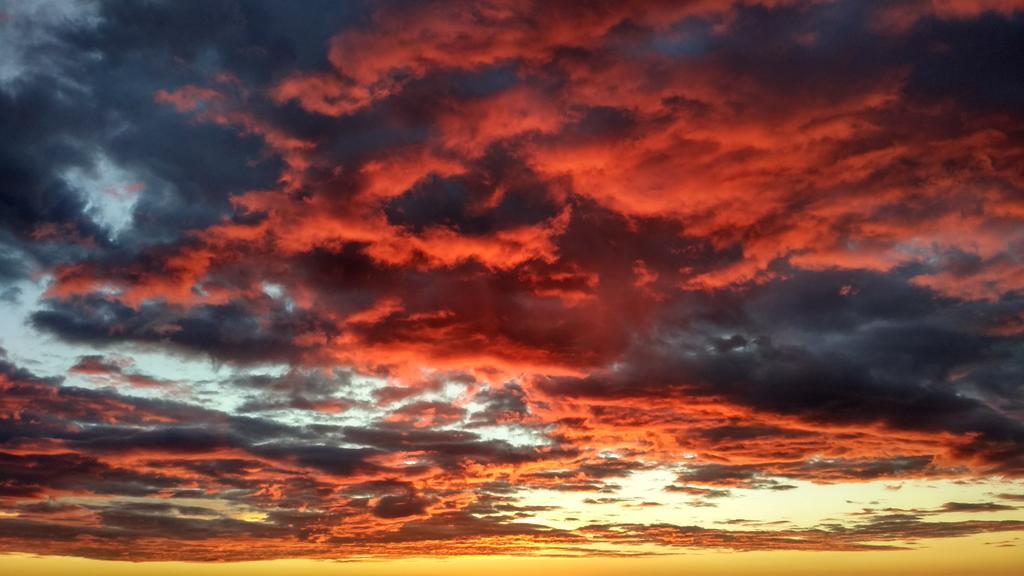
<point>443,258</point>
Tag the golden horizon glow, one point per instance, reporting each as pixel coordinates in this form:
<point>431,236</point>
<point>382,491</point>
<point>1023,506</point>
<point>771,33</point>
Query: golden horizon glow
<point>958,557</point>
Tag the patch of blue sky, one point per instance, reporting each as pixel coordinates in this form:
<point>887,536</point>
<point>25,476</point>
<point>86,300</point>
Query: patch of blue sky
<point>109,192</point>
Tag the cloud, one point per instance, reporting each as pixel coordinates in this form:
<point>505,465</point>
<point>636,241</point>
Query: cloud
<point>115,371</point>
<point>976,507</point>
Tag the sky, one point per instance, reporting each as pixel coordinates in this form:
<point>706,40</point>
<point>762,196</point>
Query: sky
<point>391,287</point>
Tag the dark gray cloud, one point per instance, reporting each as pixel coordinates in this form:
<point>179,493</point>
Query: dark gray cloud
<point>800,347</point>
<point>227,332</point>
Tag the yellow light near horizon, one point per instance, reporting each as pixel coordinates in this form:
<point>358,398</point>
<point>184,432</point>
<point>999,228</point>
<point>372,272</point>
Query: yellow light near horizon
<point>984,555</point>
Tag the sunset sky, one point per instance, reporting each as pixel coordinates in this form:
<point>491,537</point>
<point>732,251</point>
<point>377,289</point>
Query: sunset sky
<point>501,287</point>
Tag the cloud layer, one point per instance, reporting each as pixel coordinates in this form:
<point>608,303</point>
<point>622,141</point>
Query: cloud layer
<point>454,255</point>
